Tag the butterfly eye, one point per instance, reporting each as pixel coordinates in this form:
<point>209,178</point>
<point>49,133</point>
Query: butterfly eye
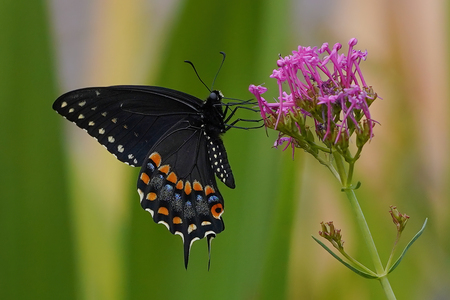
<point>213,96</point>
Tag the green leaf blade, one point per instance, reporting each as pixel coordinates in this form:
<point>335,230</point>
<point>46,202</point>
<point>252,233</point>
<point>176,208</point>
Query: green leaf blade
<point>418,234</point>
<point>357,271</point>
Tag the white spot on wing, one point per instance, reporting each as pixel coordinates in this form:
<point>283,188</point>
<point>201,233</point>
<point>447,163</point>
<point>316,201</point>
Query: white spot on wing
<point>150,211</point>
<point>81,116</point>
<point>120,148</point>
<point>141,194</point>
<point>91,123</point>
<point>208,233</point>
<point>64,104</point>
<point>180,234</point>
<point>193,240</point>
<point>82,103</point>
<point>101,131</point>
<point>71,110</point>
<point>111,139</point>
<point>165,224</point>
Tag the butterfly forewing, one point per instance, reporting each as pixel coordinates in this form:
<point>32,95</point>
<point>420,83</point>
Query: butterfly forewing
<point>127,120</point>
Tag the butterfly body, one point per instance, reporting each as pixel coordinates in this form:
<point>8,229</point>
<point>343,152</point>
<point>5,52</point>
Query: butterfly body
<point>176,140</point>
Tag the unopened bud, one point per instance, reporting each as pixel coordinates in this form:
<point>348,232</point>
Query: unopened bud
<point>332,234</point>
<point>399,219</point>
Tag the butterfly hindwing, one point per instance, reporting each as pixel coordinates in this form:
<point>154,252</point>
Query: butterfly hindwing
<point>177,186</point>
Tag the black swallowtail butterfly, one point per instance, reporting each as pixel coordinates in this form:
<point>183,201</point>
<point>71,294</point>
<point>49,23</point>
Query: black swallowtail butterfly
<point>175,139</point>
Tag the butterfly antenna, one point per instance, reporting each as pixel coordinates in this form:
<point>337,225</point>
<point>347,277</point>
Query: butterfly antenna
<point>218,71</point>
<point>198,76</point>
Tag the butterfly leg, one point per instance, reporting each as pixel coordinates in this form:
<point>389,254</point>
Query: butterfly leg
<point>232,124</point>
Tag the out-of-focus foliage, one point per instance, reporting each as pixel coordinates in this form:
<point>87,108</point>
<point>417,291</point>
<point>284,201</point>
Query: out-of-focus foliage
<point>36,240</point>
<point>70,221</point>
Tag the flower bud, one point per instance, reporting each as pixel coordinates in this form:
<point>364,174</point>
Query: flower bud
<point>363,134</point>
<point>399,219</point>
<point>332,234</point>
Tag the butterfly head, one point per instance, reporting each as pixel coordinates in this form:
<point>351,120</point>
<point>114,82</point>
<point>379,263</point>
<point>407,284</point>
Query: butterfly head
<point>213,113</point>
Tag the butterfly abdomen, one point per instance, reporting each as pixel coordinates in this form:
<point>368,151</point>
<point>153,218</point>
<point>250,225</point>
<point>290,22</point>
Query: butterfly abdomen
<point>219,160</point>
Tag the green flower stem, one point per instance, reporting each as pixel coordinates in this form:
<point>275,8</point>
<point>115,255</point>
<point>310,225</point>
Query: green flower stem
<point>333,170</point>
<point>370,243</point>
<point>365,230</point>
<point>387,288</point>
<point>329,165</point>
<point>340,167</point>
<point>352,165</point>
<point>389,263</point>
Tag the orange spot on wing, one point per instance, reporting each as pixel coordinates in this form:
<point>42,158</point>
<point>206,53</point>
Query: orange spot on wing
<point>187,188</point>
<point>145,178</point>
<point>209,190</point>
<point>197,186</point>
<point>164,211</point>
<point>217,210</point>
<point>191,228</point>
<point>177,220</point>
<point>165,169</point>
<point>179,185</point>
<point>151,196</point>
<point>156,158</point>
<point>172,178</point>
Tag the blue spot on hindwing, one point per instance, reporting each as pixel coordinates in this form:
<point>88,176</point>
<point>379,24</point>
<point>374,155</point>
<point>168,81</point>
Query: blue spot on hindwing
<point>150,166</point>
<point>166,192</point>
<point>213,198</point>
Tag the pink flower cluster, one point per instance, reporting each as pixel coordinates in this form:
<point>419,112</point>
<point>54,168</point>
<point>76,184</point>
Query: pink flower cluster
<point>322,84</point>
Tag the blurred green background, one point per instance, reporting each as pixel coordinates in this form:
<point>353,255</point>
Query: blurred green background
<point>71,226</point>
